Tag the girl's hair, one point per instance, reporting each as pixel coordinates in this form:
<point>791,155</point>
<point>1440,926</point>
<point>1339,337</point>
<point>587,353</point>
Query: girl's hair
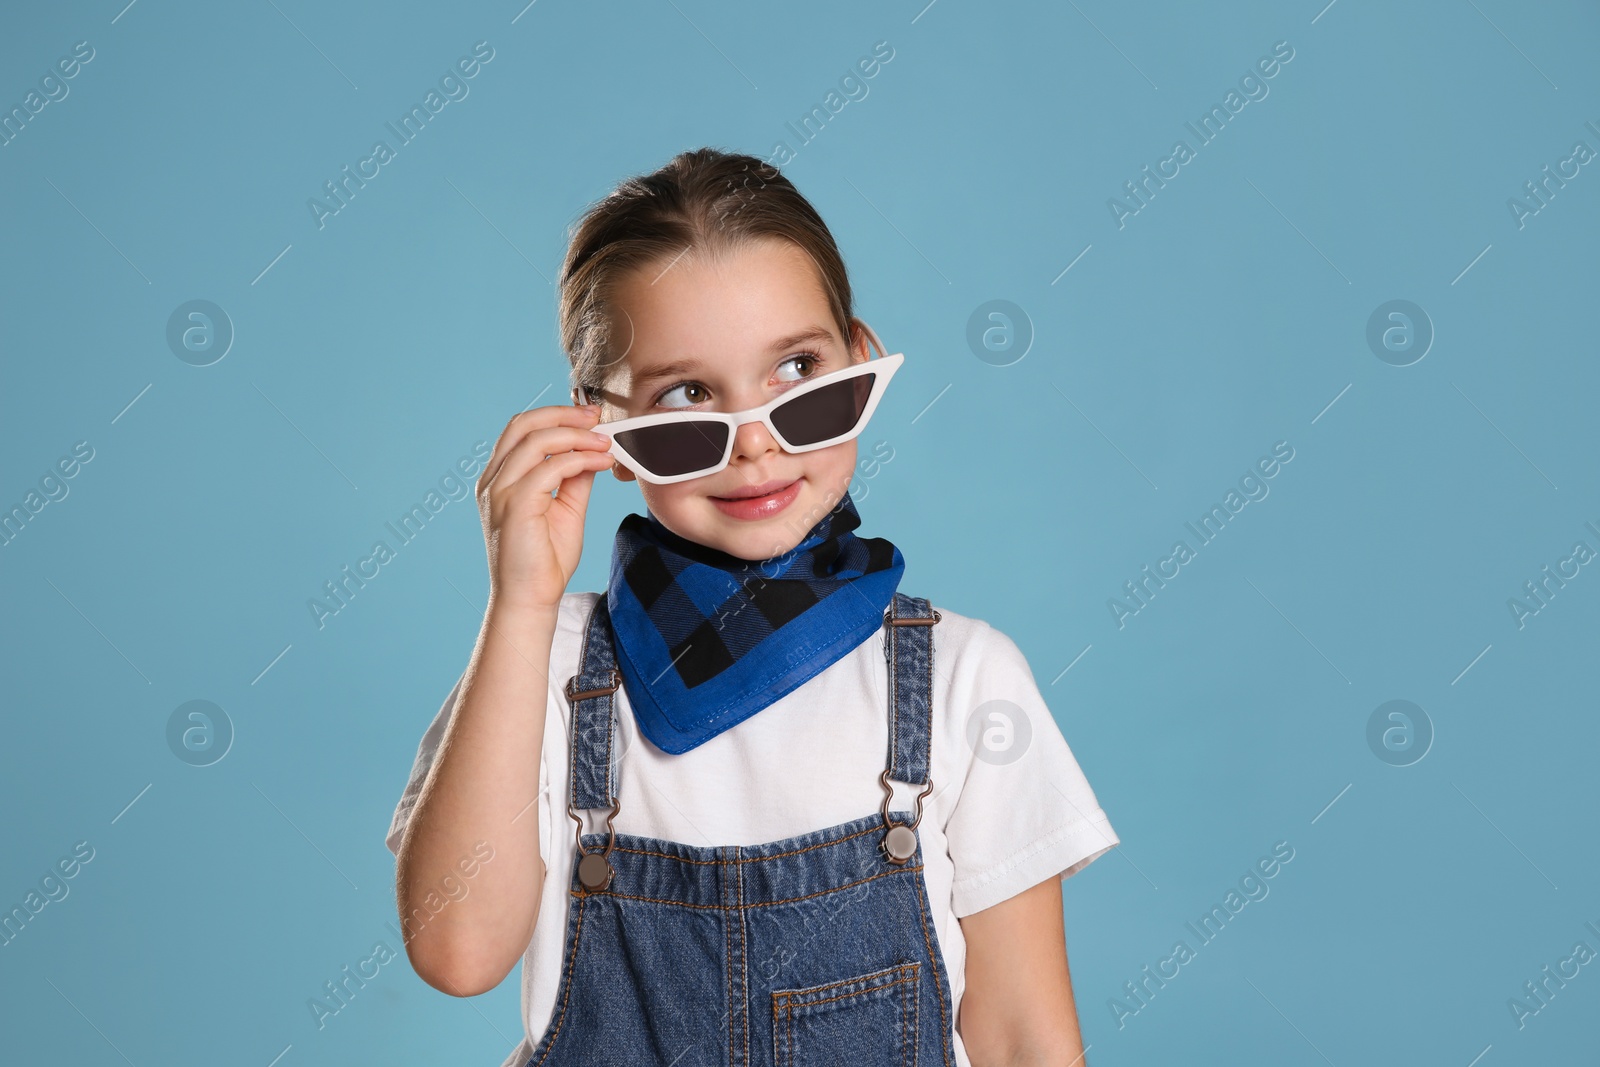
<point>702,201</point>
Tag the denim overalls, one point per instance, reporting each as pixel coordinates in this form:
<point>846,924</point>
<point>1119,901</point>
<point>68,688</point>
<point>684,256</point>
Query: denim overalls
<point>811,951</point>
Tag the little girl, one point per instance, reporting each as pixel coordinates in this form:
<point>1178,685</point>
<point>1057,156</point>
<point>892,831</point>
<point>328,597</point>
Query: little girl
<point>752,804</point>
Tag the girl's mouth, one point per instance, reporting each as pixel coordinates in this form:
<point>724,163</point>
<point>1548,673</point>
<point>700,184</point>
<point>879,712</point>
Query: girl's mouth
<point>758,507</point>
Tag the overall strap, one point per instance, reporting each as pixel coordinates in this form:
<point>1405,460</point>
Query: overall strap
<point>591,692</point>
<point>908,648</point>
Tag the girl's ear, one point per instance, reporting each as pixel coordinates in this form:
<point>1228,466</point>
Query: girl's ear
<point>860,347</point>
<point>622,474</point>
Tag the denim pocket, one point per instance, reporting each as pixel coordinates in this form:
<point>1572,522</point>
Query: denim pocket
<point>870,1019</point>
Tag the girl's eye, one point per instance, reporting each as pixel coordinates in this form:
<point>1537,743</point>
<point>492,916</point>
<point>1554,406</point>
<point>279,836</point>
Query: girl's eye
<point>697,390</point>
<point>691,393</point>
<point>811,359</point>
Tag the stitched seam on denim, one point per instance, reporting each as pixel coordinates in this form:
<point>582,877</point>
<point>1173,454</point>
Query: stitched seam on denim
<point>727,955</point>
<point>572,709</point>
<point>777,1029</point>
<point>908,1016</point>
<point>847,996</point>
<point>916,1015</point>
<point>744,969</point>
<point>759,903</point>
<point>572,963</point>
<point>906,1033</point>
<point>611,733</point>
<point>933,960</point>
<point>894,699</point>
<point>870,977</point>
<point>903,988</point>
<point>752,859</point>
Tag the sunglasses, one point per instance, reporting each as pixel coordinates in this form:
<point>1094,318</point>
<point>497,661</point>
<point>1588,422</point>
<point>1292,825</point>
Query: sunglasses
<point>675,446</point>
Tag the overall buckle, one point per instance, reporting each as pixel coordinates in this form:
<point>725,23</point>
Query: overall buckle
<point>594,868</point>
<point>899,842</point>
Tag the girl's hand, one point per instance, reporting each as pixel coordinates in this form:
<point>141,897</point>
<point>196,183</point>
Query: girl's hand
<point>533,539</point>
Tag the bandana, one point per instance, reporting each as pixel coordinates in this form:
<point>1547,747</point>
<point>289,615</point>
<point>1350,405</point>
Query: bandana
<point>705,639</point>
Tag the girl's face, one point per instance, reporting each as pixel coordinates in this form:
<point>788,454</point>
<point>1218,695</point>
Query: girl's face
<point>729,335</point>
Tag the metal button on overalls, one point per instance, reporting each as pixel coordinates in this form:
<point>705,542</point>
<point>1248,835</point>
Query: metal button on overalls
<point>815,950</point>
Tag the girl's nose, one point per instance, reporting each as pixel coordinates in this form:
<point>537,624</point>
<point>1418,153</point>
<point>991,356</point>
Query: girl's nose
<point>752,440</point>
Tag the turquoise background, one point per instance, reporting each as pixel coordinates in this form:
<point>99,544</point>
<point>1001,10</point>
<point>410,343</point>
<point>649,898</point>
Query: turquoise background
<point>1228,314</point>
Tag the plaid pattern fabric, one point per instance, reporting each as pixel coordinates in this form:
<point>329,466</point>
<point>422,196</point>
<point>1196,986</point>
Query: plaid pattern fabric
<point>705,640</point>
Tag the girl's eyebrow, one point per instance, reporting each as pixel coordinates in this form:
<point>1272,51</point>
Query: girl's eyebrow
<point>810,335</point>
<point>665,370</point>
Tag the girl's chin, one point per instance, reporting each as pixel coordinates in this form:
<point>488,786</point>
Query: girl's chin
<point>757,546</point>
<point>751,541</point>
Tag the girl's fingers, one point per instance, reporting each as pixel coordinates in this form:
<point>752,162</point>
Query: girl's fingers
<point>532,446</point>
<point>549,474</point>
<point>522,424</point>
<point>525,423</point>
<point>541,446</point>
<point>575,489</point>
<point>534,488</point>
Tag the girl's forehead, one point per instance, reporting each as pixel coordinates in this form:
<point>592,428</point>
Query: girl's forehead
<point>754,281</point>
<point>747,322</point>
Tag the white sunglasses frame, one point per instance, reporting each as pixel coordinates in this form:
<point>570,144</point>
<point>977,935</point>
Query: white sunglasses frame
<point>883,367</point>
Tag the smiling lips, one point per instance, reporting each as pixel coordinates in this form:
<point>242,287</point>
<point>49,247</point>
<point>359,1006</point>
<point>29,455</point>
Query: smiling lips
<point>764,489</point>
<point>758,501</point>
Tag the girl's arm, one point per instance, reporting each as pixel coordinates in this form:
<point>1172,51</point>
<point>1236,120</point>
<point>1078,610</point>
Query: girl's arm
<point>481,795</point>
<point>485,775</point>
<point>1018,1007</point>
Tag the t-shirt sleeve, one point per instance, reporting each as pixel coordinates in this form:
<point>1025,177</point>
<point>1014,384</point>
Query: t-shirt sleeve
<point>426,751</point>
<point>1025,812</point>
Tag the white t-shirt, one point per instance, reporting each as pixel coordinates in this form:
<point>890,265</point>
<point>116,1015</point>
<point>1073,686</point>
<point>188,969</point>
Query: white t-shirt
<point>1006,812</point>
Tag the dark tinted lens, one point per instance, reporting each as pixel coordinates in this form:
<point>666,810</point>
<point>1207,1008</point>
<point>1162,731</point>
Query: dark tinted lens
<point>671,448</point>
<point>824,413</point>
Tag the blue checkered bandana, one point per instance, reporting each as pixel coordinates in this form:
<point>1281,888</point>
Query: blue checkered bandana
<point>705,639</point>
